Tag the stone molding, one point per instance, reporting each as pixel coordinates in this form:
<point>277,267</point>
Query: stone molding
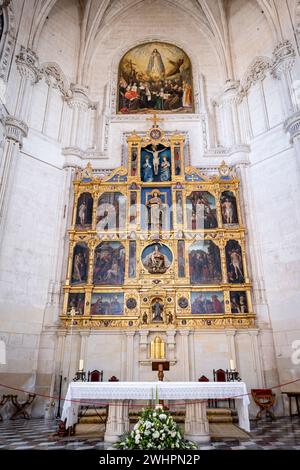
<point>292,126</point>
<point>15,129</point>
<point>28,65</point>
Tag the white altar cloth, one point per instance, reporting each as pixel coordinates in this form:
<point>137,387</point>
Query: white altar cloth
<point>185,391</point>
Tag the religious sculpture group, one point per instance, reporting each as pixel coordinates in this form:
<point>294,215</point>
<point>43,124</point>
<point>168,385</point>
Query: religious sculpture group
<point>157,242</point>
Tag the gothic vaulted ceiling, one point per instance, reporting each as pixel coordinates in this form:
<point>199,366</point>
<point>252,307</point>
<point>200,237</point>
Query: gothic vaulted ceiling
<point>212,16</point>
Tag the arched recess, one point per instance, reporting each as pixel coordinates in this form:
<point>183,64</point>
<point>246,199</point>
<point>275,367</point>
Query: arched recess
<point>256,71</point>
<point>7,41</point>
<point>113,80</point>
<point>94,42</point>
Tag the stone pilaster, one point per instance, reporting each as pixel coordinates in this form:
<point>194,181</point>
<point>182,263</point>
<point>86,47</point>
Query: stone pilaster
<point>28,67</point>
<point>184,354</point>
<point>228,103</point>
<point>130,355</point>
<point>15,131</point>
<point>79,103</point>
<point>258,369</point>
<point>283,62</point>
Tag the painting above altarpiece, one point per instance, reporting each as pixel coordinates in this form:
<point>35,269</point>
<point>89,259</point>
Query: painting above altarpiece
<point>155,76</point>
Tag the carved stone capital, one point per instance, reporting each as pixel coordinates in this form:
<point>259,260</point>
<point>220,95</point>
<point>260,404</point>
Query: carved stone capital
<point>15,130</point>
<point>292,126</point>
<point>79,98</point>
<point>28,65</point>
<point>283,58</point>
<point>231,93</point>
<point>73,157</point>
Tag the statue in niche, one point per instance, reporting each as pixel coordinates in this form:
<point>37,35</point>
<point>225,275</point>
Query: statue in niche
<point>165,173</point>
<point>147,170</point>
<point>170,318</point>
<point>157,310</point>
<point>145,319</point>
<point>155,207</point>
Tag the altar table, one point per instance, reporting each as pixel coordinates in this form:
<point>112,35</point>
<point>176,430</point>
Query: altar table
<point>118,395</point>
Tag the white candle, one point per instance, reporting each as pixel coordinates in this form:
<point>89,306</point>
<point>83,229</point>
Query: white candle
<point>81,364</point>
<point>232,364</point>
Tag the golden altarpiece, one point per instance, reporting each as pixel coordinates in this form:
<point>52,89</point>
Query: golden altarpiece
<point>157,244</point>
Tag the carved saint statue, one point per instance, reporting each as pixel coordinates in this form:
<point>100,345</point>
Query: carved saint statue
<point>155,211</point>
<point>157,309</point>
<point>156,262</point>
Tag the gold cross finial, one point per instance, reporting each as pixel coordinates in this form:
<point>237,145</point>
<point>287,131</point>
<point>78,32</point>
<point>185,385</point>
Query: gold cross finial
<point>155,119</point>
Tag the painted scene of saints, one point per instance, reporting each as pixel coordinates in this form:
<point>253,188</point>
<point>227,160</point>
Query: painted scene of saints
<point>109,264</point>
<point>234,262</point>
<point>229,208</point>
<point>204,263</point>
<point>201,211</point>
<point>205,303</point>
<point>80,264</point>
<point>239,303</point>
<point>76,302</point>
<point>84,212</point>
<point>157,77</point>
<point>157,258</point>
<point>107,303</point>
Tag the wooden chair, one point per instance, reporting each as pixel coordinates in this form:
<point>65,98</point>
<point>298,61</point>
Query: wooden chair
<point>21,407</point>
<point>264,399</point>
<point>222,375</point>
<point>95,376</point>
<point>113,379</point>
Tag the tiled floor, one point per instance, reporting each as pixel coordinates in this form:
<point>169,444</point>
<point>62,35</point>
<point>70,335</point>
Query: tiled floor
<point>38,434</point>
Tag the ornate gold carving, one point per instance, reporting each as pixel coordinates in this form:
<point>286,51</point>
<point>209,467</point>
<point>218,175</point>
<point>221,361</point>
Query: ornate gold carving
<point>143,289</point>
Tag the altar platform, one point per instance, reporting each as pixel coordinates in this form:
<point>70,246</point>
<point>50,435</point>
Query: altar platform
<point>118,395</point>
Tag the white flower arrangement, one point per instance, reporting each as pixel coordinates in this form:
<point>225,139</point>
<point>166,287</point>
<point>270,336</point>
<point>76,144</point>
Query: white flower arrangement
<point>155,429</point>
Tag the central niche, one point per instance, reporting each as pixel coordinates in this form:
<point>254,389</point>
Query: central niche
<point>157,258</point>
<point>155,76</point>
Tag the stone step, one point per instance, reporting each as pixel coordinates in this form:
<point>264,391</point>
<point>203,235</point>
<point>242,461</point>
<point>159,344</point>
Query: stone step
<point>214,415</point>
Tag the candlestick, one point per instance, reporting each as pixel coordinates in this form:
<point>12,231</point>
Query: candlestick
<point>232,364</point>
<point>81,364</point>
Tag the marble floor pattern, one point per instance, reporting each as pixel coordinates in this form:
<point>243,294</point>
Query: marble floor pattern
<point>38,434</point>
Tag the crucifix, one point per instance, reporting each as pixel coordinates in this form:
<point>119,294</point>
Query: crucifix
<point>155,119</point>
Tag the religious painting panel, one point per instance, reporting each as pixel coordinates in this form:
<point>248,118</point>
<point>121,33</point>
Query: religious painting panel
<point>132,260</point>
<point>239,303</point>
<point>156,164</point>
<point>134,161</point>
<point>111,212</point>
<point>155,76</point>
<point>179,208</point>
<point>84,214</point>
<point>234,262</point>
<point>107,303</point>
<point>181,258</point>
<point>80,264</point>
<point>201,211</point>
<point>229,208</point>
<point>133,207</point>
<point>177,161</point>
<point>76,303</point>
<point>204,263</point>
<point>204,303</point>
<point>156,209</point>
<point>157,258</point>
<point>109,264</point>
